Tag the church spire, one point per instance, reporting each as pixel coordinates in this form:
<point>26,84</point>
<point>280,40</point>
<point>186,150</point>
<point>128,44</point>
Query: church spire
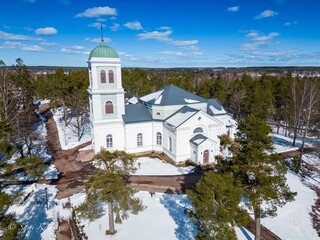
<point>101,28</point>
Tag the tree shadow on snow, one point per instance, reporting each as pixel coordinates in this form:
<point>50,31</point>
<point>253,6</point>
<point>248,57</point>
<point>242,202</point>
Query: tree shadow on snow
<point>283,142</point>
<point>176,204</point>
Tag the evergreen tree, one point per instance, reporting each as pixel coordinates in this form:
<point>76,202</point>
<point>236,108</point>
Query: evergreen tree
<point>110,184</point>
<point>216,208</point>
<point>261,174</point>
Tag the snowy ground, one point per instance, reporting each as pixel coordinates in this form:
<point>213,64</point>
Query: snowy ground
<point>155,166</point>
<point>67,135</point>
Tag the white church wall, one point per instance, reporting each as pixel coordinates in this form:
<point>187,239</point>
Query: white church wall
<point>131,132</point>
<point>167,133</point>
<point>157,127</point>
<point>206,145</point>
<point>100,136</point>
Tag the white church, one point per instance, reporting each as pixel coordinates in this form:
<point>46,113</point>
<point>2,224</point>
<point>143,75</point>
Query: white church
<point>172,121</point>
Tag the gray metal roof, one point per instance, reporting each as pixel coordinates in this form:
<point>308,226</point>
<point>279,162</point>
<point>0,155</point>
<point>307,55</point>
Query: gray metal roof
<point>215,107</point>
<point>135,113</point>
<point>181,116</point>
<point>198,139</point>
<point>172,95</point>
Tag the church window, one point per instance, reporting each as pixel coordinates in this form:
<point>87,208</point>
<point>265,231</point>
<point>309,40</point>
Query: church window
<point>158,113</point>
<point>103,76</point>
<point>170,144</point>
<point>111,76</point>
<point>109,107</point>
<point>109,141</point>
<point>139,139</point>
<point>198,130</point>
<point>159,138</point>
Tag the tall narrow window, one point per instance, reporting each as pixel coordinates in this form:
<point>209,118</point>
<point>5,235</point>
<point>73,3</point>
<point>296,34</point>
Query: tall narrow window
<point>139,139</point>
<point>103,76</point>
<point>159,138</point>
<point>170,144</point>
<point>109,141</point>
<point>111,76</point>
<point>109,107</point>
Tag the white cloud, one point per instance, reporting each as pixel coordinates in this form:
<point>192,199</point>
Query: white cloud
<point>164,28</point>
<point>115,27</point>
<point>198,53</point>
<point>291,23</point>
<point>185,43</point>
<point>98,40</point>
<point>46,31</point>
<point>77,47</point>
<point>71,51</point>
<point>11,36</point>
<point>97,12</point>
<point>28,29</point>
<point>233,9</point>
<point>33,48</point>
<point>173,53</point>
<point>48,44</point>
<point>156,35</point>
<point>266,14</point>
<point>97,25</point>
<point>255,36</point>
<point>113,18</point>
<point>31,1</point>
<point>10,45</point>
<point>101,20</point>
<point>135,25</point>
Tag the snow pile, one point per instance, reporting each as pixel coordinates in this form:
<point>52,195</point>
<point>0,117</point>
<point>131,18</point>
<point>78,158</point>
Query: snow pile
<point>155,166</point>
<point>190,100</point>
<point>67,135</point>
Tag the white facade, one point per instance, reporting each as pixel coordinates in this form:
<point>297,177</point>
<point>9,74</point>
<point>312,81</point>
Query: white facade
<point>178,123</point>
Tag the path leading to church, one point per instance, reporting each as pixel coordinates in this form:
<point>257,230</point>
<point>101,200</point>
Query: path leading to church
<point>72,173</point>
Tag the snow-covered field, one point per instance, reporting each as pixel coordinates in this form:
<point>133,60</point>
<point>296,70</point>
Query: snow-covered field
<point>67,135</point>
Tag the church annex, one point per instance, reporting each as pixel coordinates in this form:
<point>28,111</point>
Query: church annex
<point>173,121</point>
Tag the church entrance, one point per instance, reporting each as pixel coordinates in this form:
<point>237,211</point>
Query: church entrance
<point>206,157</point>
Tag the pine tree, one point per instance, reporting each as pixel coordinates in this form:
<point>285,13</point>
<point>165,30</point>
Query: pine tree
<point>110,184</point>
<point>216,208</point>
<point>261,174</point>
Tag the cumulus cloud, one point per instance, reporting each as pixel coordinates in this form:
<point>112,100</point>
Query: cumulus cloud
<point>46,31</point>
<point>97,12</point>
<point>258,40</point>
<point>266,14</point>
<point>233,9</point>
<point>135,25</point>
<point>11,36</point>
<point>185,43</point>
<point>156,35</point>
<point>33,48</point>
<point>48,44</point>
<point>291,23</point>
<point>173,53</point>
<point>115,27</point>
<point>97,25</point>
<point>98,40</point>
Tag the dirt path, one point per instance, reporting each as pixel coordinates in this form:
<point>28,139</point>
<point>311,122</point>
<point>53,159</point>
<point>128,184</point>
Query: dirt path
<point>73,172</point>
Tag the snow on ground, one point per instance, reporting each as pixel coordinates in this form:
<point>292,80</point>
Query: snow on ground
<point>155,166</point>
<point>35,210</point>
<point>67,135</point>
<point>51,172</point>
<point>293,220</point>
<point>312,158</point>
<point>163,218</point>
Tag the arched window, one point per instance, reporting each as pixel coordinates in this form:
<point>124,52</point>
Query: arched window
<point>109,107</point>
<point>198,130</point>
<point>109,141</point>
<point>111,76</point>
<point>170,144</point>
<point>103,76</point>
<point>159,138</point>
<point>139,139</point>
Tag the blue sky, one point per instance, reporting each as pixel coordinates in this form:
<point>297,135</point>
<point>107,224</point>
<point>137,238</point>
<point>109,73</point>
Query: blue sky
<point>176,33</point>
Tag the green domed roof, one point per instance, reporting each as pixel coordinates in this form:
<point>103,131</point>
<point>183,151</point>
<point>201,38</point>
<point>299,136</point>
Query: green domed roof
<point>103,51</point>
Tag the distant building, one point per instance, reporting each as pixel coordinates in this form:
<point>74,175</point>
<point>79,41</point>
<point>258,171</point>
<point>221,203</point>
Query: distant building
<point>173,121</point>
